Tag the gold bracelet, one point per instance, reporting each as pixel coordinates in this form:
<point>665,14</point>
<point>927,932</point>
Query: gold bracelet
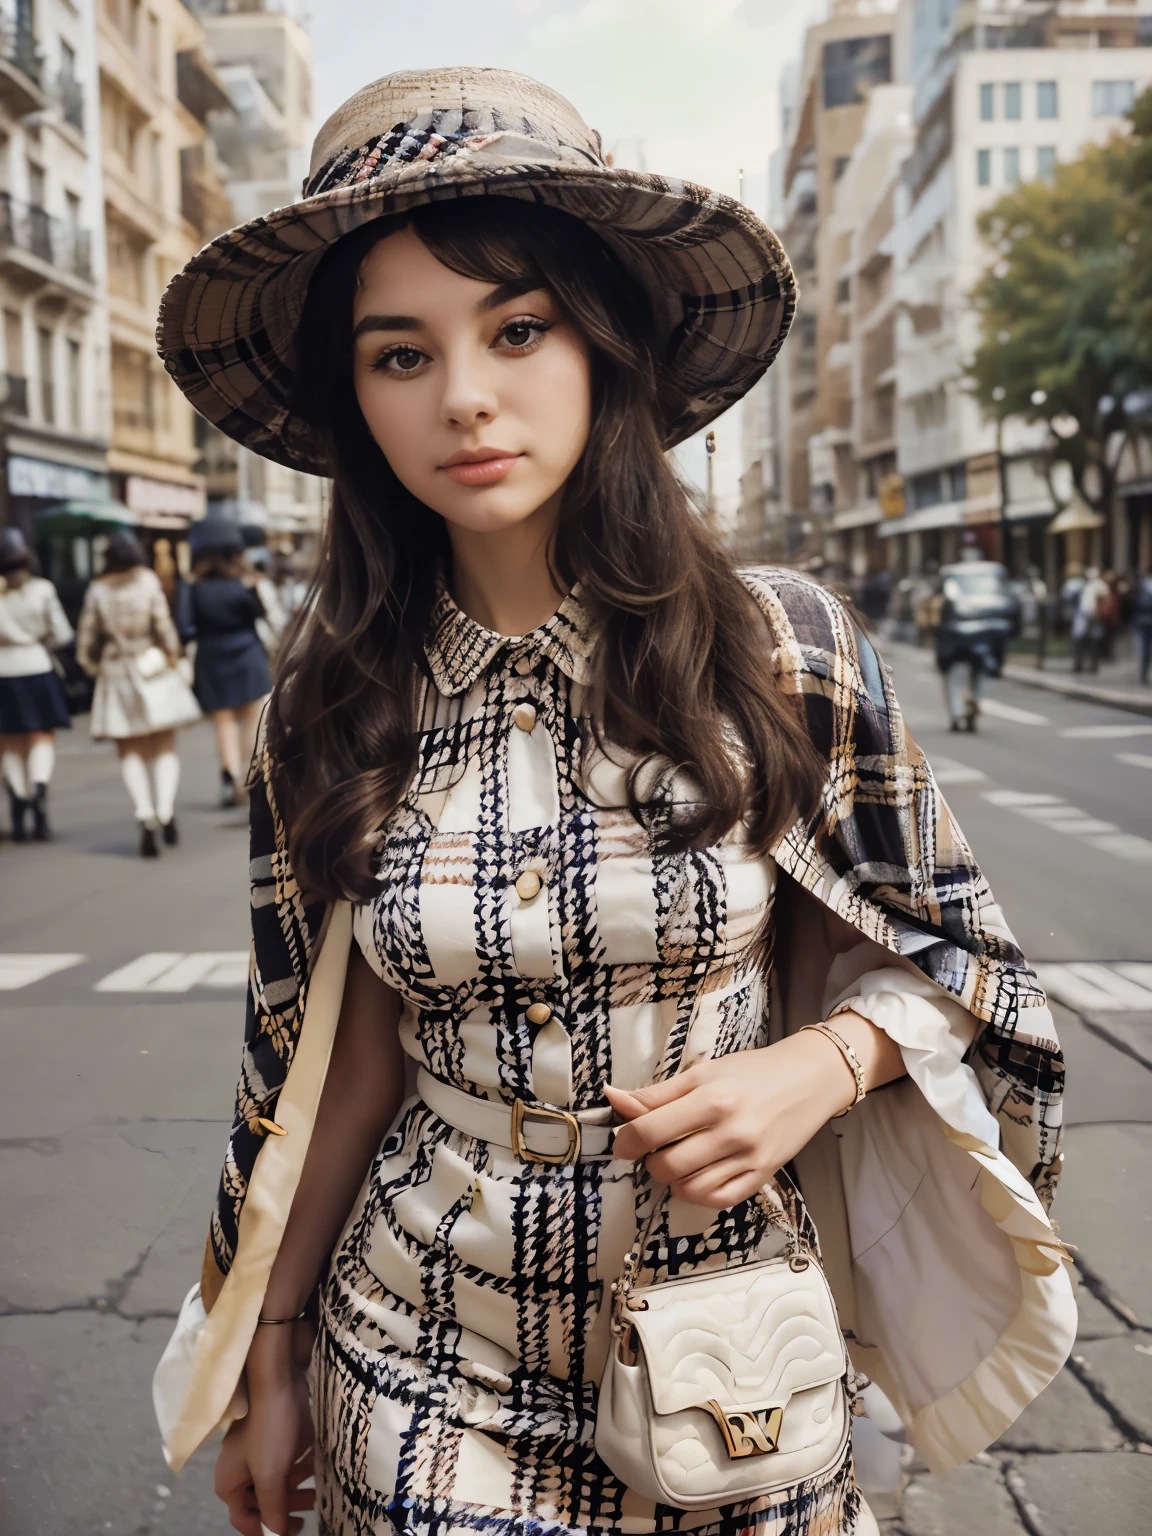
<point>849,1054</point>
<point>278,1321</point>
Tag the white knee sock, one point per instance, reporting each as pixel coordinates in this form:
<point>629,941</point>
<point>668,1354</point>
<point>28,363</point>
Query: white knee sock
<point>134,770</point>
<point>166,772</point>
<point>41,762</point>
<point>14,775</point>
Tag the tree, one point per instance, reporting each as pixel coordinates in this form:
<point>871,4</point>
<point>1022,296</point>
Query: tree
<point>1065,307</point>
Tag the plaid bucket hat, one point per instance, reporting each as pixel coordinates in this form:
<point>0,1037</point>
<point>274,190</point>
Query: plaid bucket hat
<point>722,288</point>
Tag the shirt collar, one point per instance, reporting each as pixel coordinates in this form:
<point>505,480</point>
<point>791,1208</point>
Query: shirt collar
<point>459,649</point>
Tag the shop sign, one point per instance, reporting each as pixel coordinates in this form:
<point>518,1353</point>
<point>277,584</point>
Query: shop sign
<point>890,492</point>
<point>55,482</point>
<point>163,498</point>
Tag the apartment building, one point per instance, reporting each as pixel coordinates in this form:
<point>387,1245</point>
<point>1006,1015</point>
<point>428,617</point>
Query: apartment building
<point>262,55</point>
<point>807,413</point>
<point>54,412</point>
<point>1002,91</point>
<point>163,199</point>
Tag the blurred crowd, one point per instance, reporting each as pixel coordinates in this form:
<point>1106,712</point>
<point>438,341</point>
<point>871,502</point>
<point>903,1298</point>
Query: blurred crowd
<point>152,651</point>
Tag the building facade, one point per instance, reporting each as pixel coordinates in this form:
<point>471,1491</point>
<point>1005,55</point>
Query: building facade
<point>163,199</point>
<point>867,449</point>
<point>263,57</point>
<point>54,403</point>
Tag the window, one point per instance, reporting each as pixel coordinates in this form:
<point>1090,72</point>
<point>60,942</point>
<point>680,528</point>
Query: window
<point>47,381</point>
<point>987,102</point>
<point>839,166</point>
<point>1011,166</point>
<point>851,67</point>
<point>844,290</point>
<point>35,184</point>
<point>1012,99</point>
<point>1046,161</point>
<point>1112,98</point>
<point>1047,101</point>
<point>983,167</point>
<point>155,161</point>
<point>75,390</point>
<point>67,61</point>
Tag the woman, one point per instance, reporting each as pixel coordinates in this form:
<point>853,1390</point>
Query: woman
<point>32,703</point>
<point>231,678</point>
<point>128,643</point>
<point>545,788</point>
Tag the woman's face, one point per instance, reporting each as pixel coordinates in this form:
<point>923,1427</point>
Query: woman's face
<point>478,395</point>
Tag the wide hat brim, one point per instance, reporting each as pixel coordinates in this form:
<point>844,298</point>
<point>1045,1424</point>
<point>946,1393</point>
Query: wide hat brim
<point>722,288</point>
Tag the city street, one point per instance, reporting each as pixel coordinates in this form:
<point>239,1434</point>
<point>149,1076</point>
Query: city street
<point>120,1039</point>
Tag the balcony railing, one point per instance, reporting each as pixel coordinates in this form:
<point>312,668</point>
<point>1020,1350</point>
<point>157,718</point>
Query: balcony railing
<point>29,229</point>
<point>16,395</point>
<point>18,46</point>
<point>198,87</point>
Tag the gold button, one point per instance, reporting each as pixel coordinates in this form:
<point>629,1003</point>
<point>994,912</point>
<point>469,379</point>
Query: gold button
<point>538,1013</point>
<point>528,885</point>
<point>270,1125</point>
<point>524,716</point>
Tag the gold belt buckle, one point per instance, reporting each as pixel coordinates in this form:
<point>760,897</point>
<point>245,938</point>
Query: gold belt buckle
<point>525,1153</point>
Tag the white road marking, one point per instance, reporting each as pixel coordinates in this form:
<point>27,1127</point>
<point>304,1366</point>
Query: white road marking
<point>1103,732</point>
<point>18,971</point>
<point>1125,845</point>
<point>1015,798</point>
<point>1102,987</point>
<point>1059,816</point>
<point>946,770</point>
<point>1135,759</point>
<point>1139,971</point>
<point>1001,711</point>
<point>164,972</point>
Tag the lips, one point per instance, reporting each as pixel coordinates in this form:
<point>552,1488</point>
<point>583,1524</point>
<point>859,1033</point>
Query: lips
<point>479,466</point>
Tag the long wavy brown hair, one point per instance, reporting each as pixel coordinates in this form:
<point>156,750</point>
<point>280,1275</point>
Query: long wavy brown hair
<point>682,658</point>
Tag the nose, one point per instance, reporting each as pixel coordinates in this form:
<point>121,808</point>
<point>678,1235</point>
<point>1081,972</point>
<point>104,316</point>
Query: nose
<point>469,397</point>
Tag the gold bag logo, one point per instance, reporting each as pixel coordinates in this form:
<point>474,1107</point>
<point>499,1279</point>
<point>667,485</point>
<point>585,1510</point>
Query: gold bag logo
<point>747,1431</point>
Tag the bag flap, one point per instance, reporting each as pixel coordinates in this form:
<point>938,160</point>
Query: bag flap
<point>745,1337</point>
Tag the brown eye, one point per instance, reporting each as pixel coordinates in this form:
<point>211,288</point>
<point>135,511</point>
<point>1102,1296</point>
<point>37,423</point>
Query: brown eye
<point>519,333</point>
<point>406,359</point>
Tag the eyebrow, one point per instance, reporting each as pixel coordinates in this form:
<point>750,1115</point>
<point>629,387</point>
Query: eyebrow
<point>515,288</point>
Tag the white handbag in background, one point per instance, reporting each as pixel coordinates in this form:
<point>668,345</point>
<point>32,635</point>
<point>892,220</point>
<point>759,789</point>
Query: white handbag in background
<point>165,697</point>
<point>726,1385</point>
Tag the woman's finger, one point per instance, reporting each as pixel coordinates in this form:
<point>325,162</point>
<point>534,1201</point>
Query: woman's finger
<point>659,1127</point>
<point>684,1159</point>
<point>273,1501</point>
<point>720,1186</point>
<point>243,1516</point>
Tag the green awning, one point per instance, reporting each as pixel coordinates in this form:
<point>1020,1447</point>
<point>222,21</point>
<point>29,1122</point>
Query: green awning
<point>85,515</point>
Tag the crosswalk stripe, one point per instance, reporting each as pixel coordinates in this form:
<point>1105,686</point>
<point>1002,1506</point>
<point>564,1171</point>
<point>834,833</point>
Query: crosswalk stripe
<point>1134,759</point>
<point>1086,984</point>
<point>947,771</point>
<point>1125,845</point>
<point>1059,816</point>
<point>1103,732</point>
<point>1001,711</point>
<point>164,972</point>
<point>18,971</point>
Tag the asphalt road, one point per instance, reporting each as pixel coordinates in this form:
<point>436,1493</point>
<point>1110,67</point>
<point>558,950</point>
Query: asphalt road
<point>118,1045</point>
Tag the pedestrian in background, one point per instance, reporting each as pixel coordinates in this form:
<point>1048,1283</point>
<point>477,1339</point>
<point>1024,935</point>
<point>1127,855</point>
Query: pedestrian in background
<point>232,679</point>
<point>128,642</point>
<point>1142,622</point>
<point>1090,599</point>
<point>567,794</point>
<point>978,612</point>
<point>32,703</point>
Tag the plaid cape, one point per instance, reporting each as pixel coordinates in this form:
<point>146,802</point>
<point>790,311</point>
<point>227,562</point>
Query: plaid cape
<point>884,853</point>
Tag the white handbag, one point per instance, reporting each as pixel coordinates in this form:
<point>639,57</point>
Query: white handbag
<point>726,1385</point>
<point>165,697</point>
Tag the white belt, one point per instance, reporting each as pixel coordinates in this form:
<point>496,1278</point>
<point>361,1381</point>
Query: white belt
<point>535,1134</point>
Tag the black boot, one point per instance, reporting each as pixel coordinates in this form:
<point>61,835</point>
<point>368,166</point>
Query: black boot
<point>228,795</point>
<point>19,809</point>
<point>41,831</point>
<point>149,847</point>
<point>169,832</point>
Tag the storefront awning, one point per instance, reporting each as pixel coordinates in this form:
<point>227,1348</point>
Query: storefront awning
<point>85,515</point>
<point>949,514</point>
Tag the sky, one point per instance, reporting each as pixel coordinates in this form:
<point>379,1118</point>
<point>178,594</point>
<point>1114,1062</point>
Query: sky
<point>688,88</point>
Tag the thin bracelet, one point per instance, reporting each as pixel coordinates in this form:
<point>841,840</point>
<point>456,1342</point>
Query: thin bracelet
<point>277,1321</point>
<point>849,1054</point>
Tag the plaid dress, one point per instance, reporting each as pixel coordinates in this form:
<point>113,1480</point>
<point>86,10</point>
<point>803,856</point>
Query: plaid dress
<point>464,1317</point>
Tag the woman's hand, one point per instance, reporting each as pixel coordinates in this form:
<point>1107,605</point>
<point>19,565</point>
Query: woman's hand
<point>719,1131</point>
<point>267,1454</point>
